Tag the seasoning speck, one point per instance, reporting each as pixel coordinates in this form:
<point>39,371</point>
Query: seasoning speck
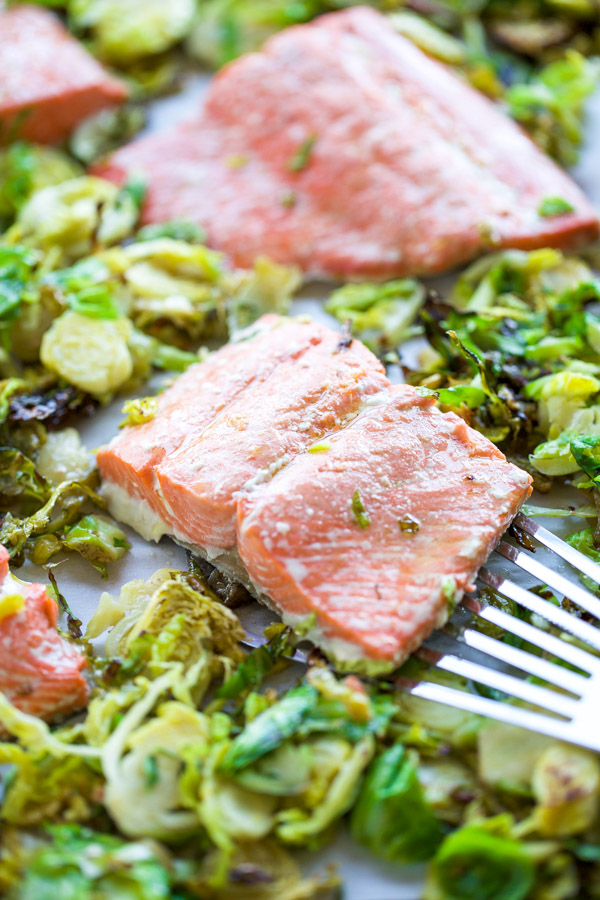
<point>301,157</point>
<point>359,510</point>
<point>408,524</point>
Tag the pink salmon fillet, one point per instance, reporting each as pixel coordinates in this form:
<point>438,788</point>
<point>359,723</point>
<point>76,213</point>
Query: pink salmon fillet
<point>40,672</point>
<point>436,495</point>
<point>48,83</point>
<point>254,458</point>
<point>344,149</point>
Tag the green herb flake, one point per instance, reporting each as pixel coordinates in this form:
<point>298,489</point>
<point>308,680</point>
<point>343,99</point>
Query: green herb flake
<point>321,447</point>
<point>359,510</point>
<point>550,207</point>
<point>408,524</point>
<point>288,200</point>
<point>139,411</point>
<point>301,157</point>
<point>449,593</point>
<point>236,160</point>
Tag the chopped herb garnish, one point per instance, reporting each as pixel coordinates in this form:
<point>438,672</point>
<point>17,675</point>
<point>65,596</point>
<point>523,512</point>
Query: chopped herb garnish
<point>449,593</point>
<point>359,511</point>
<point>236,161</point>
<point>320,447</point>
<point>554,206</point>
<point>408,524</point>
<point>301,157</point>
<point>288,199</point>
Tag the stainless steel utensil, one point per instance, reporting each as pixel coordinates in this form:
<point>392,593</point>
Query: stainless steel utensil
<point>565,701</point>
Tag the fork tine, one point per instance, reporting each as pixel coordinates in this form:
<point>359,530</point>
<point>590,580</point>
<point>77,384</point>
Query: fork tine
<point>526,662</point>
<point>516,687</point>
<point>550,643</point>
<point>557,582</point>
<point>577,559</point>
<point>565,621</point>
<point>495,709</point>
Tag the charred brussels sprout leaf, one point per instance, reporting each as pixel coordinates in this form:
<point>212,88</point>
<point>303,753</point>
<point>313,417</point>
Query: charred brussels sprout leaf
<point>550,105</point>
<point>258,664</point>
<point>97,540</point>
<point>61,508</point>
<point>22,489</point>
<point>99,135</point>
<point>53,407</point>
<point>586,451</point>
<point>391,816</point>
<point>80,863</point>
<point>26,168</point>
<point>270,729</point>
<point>381,315</point>
<point>176,229</point>
<point>471,395</point>
<point>124,34</point>
<point>16,269</point>
<point>474,864</point>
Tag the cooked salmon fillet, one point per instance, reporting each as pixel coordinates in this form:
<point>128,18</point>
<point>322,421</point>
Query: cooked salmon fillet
<point>343,148</point>
<point>380,535</point>
<point>48,81</point>
<point>267,457</point>
<point>39,671</point>
<point>239,415</point>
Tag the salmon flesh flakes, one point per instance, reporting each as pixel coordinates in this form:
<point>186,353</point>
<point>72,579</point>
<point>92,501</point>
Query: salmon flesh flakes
<point>363,158</point>
<point>375,536</point>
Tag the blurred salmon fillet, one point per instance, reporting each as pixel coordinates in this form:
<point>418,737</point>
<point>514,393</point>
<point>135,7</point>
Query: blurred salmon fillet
<point>380,535</point>
<point>284,462</point>
<point>39,671</point>
<point>48,82</point>
<point>344,149</point>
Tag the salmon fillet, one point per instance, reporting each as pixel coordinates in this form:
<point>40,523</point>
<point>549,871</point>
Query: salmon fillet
<point>48,82</point>
<point>436,495</point>
<point>344,149</point>
<point>262,458</point>
<point>40,673</point>
<point>252,405</point>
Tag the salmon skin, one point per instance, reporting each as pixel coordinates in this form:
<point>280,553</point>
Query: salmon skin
<point>344,149</point>
<point>328,492</point>
<point>379,536</point>
<point>48,82</point>
<point>40,673</point>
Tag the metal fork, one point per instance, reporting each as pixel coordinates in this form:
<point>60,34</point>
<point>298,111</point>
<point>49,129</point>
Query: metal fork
<point>568,703</point>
